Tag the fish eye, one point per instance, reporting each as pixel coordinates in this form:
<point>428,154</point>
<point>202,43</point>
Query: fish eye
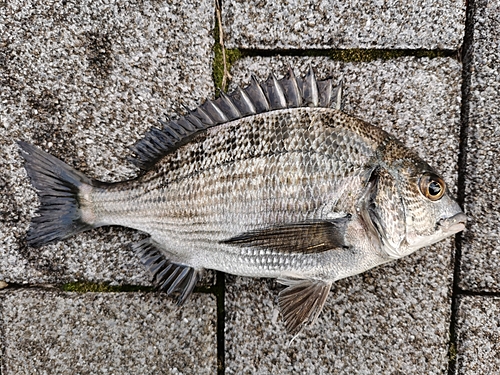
<point>432,186</point>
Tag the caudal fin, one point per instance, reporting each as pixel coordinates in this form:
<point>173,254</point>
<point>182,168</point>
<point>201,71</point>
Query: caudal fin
<point>58,185</point>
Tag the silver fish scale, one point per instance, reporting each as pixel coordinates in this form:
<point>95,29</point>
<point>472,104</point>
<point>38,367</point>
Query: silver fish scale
<point>274,168</point>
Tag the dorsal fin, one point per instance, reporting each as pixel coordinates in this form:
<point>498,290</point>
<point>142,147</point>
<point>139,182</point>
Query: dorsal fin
<point>272,94</point>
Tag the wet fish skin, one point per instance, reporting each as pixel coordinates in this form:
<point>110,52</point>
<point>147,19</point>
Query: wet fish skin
<point>308,195</point>
<point>220,187</point>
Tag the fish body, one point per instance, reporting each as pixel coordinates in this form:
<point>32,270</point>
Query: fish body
<point>270,181</point>
<point>210,191</point>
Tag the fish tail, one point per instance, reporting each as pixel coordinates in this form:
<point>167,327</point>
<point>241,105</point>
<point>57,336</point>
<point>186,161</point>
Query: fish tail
<point>59,187</point>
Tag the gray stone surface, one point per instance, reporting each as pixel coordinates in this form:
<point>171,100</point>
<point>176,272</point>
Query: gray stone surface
<point>49,332</point>
<point>393,319</point>
<point>85,80</point>
<point>478,335</point>
<point>481,249</point>
<point>432,24</point>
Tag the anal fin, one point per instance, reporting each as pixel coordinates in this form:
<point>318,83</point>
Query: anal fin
<point>175,279</point>
<point>301,302</point>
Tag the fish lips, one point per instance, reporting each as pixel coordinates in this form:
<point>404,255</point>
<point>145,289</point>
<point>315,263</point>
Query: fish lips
<point>445,227</point>
<point>452,225</point>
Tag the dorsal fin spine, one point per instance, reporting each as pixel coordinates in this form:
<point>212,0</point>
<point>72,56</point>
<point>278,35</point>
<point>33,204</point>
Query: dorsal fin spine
<point>325,92</point>
<point>171,277</point>
<point>157,138</point>
<point>170,129</point>
<point>257,95</point>
<point>162,274</point>
<point>195,121</point>
<point>274,93</point>
<point>310,89</point>
<point>280,91</point>
<point>337,96</point>
<point>178,128</point>
<point>291,88</point>
<point>228,106</point>
<point>154,268</point>
<point>187,125</point>
<point>243,102</point>
<point>203,116</point>
<point>215,112</point>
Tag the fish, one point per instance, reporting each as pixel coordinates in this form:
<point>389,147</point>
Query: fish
<point>271,180</point>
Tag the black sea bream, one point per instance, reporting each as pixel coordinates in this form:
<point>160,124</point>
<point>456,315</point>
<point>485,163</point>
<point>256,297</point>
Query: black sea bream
<point>272,180</point>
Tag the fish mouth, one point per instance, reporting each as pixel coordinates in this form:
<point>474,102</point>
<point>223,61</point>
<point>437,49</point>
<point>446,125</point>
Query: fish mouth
<point>454,224</point>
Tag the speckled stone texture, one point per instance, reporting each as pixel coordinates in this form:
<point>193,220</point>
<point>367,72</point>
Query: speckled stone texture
<point>338,24</point>
<point>478,335</point>
<point>480,263</point>
<point>85,80</point>
<point>395,318</point>
<point>48,332</point>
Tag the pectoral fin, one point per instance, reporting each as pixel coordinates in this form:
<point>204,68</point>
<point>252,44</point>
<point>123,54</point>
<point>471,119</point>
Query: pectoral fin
<point>306,237</point>
<point>301,302</point>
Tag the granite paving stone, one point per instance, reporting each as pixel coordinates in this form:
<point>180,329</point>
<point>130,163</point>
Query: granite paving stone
<point>481,246</point>
<point>478,335</point>
<point>84,81</point>
<point>306,24</point>
<point>395,318</point>
<point>51,332</point>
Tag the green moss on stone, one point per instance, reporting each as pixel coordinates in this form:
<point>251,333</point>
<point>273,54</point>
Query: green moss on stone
<point>452,352</point>
<point>218,65</point>
<point>86,287</point>
<point>232,55</point>
<point>352,55</point>
<point>364,55</point>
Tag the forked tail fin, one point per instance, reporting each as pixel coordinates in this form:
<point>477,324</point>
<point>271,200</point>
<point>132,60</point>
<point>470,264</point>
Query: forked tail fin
<point>58,186</point>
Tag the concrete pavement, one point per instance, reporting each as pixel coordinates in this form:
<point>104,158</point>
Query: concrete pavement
<point>85,80</point>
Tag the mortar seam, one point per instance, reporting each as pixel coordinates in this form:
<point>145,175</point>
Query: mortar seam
<point>457,292</point>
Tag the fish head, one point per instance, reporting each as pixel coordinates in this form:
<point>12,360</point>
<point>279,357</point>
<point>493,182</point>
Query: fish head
<point>411,206</point>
